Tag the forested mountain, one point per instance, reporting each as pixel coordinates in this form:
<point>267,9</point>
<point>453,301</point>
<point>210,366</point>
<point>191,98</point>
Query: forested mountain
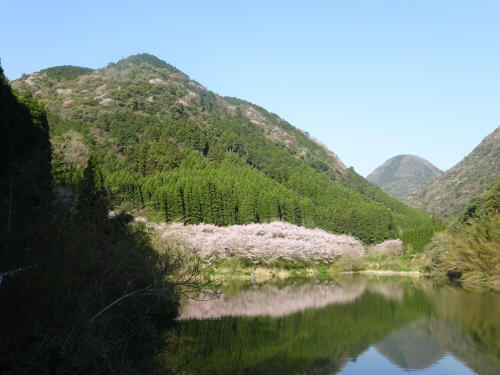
<point>449,193</point>
<point>403,175</point>
<point>163,142</point>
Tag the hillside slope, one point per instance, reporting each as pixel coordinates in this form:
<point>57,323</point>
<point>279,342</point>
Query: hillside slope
<point>403,175</point>
<point>449,193</point>
<point>165,143</point>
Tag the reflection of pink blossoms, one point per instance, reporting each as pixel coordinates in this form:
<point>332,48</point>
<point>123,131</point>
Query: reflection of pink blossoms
<point>264,242</point>
<point>271,300</point>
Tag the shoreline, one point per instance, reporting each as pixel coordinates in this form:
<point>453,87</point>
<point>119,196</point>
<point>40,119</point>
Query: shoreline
<point>260,274</point>
<point>388,273</point>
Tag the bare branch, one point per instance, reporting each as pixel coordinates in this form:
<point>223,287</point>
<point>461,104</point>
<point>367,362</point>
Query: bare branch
<point>118,301</point>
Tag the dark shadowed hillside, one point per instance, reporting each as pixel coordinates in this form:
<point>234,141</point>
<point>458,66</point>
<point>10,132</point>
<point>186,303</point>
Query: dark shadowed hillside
<point>62,266</point>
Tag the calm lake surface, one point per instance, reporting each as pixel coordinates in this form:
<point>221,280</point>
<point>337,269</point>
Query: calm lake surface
<point>356,325</point>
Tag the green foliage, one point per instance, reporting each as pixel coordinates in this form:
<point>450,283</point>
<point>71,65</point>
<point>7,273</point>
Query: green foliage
<point>235,176</point>
<point>226,194</point>
<point>482,206</point>
<point>416,238</point>
<point>66,72</point>
<point>144,58</point>
<point>474,254</point>
<point>405,216</point>
<point>167,144</point>
<point>380,261</point>
<point>469,249</point>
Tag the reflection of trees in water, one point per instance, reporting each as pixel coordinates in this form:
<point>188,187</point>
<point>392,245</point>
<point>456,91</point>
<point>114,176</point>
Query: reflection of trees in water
<point>310,340</point>
<point>467,324</point>
<point>318,328</point>
<point>271,300</point>
<point>389,290</point>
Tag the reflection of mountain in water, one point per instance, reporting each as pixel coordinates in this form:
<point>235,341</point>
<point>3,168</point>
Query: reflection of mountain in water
<point>318,328</point>
<point>423,343</point>
<point>464,346</point>
<point>411,347</point>
<point>467,324</point>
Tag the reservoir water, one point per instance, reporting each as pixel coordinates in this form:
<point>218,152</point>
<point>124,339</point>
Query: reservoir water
<point>354,325</point>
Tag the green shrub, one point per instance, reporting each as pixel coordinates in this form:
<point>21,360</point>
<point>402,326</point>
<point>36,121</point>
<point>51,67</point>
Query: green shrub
<point>469,249</point>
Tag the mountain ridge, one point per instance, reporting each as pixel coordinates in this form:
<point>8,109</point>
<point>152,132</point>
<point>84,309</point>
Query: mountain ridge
<point>449,193</point>
<point>402,175</point>
<point>272,122</point>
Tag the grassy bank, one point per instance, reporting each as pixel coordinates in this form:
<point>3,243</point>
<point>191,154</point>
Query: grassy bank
<point>469,250</point>
<point>235,269</point>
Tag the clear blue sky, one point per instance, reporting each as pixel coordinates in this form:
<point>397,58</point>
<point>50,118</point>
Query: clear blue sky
<point>369,78</point>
